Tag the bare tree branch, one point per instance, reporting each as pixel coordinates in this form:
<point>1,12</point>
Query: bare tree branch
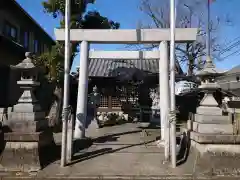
<point>190,13</point>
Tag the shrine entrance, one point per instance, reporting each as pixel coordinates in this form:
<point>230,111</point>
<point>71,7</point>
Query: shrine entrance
<point>135,36</point>
<point>124,36</point>
<point>124,81</point>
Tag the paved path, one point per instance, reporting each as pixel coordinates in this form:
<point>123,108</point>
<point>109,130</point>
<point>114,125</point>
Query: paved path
<point>119,153</point>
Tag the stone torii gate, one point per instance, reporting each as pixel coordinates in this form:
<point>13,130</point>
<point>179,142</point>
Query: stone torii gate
<point>123,36</point>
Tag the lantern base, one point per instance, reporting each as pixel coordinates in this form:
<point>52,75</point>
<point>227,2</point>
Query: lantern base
<point>27,152</point>
<point>25,126</point>
<point>27,116</point>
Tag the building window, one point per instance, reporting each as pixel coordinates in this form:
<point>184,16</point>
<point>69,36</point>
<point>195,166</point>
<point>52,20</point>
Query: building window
<point>104,102</point>
<point>40,47</point>
<point>10,31</point>
<point>35,46</point>
<point>26,39</point>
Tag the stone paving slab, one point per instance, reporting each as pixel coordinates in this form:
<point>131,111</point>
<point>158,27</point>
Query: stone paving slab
<point>119,153</point>
<point>217,164</point>
<point>122,154</point>
<point>121,178</point>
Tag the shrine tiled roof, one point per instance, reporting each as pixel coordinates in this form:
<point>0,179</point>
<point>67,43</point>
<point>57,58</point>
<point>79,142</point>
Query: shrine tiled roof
<point>106,67</point>
<point>234,70</point>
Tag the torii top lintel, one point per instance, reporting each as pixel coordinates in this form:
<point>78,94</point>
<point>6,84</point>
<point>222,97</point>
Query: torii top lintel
<point>127,36</point>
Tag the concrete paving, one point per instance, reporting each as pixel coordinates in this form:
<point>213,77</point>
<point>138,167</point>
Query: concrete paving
<point>121,151</point>
<point>118,152</point>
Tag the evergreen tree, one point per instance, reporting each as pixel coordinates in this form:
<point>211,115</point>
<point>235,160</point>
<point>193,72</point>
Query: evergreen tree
<point>53,61</point>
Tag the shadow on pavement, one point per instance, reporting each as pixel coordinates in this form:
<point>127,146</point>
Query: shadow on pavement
<point>103,151</point>
<point>78,145</point>
<point>112,137</point>
<point>81,144</point>
<point>185,144</point>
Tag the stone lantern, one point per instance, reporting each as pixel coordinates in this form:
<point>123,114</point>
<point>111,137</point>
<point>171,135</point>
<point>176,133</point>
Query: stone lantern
<point>94,102</point>
<point>29,142</point>
<point>95,97</point>
<point>209,86</point>
<point>27,108</point>
<point>209,120</point>
<point>212,132</point>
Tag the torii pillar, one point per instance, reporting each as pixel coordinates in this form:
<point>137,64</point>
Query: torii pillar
<point>82,92</point>
<point>164,90</point>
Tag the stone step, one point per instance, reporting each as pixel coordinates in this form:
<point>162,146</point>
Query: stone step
<point>213,128</point>
<point>212,119</point>
<point>215,139</point>
<point>208,110</point>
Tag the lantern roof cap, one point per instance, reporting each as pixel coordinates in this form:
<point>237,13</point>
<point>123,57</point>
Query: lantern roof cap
<point>26,63</point>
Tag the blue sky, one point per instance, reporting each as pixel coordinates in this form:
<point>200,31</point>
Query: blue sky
<point>127,13</point>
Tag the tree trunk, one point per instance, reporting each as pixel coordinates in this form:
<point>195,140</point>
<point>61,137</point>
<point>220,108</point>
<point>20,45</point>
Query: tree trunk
<point>54,115</point>
<point>190,70</point>
<point>190,66</point>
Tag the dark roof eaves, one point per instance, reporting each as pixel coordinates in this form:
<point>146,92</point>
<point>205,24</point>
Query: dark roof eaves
<point>33,20</point>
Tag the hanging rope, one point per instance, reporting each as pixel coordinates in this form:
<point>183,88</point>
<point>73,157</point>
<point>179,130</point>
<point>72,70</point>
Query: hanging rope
<point>67,112</point>
<point>172,116</point>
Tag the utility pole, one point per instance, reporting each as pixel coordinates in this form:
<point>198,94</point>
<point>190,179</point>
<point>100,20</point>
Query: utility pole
<point>66,83</point>
<point>209,62</point>
<point>172,83</point>
<point>190,14</point>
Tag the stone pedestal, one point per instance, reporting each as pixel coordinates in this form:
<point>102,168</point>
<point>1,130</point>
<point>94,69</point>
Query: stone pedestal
<point>210,126</point>
<point>27,152</point>
<point>3,114</point>
<point>29,141</point>
<point>212,133</point>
